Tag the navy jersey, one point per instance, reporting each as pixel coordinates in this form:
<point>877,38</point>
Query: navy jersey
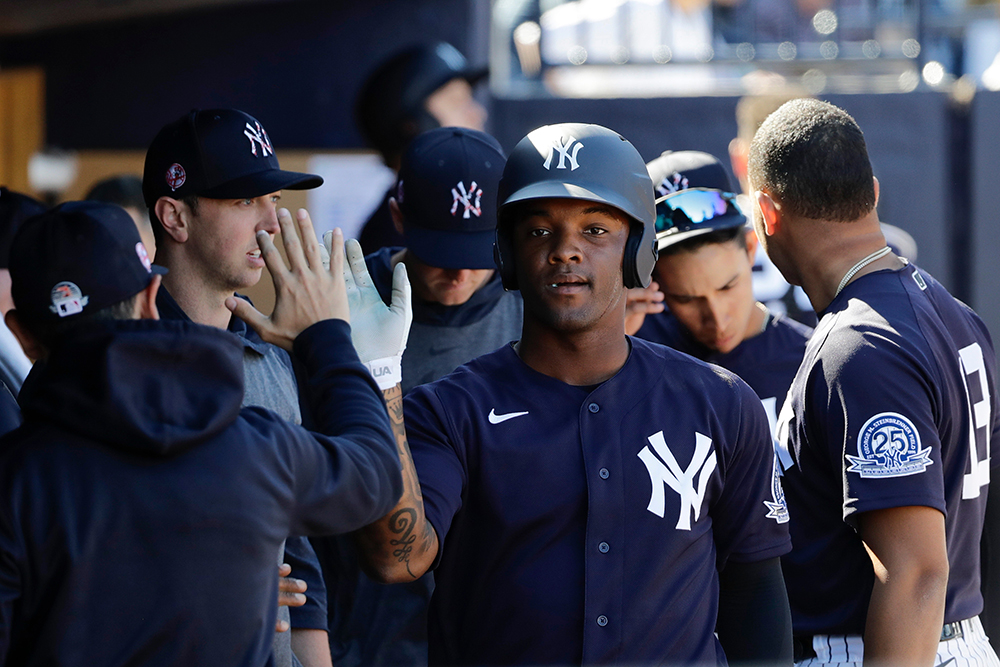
<point>767,362</point>
<point>894,405</point>
<point>588,524</point>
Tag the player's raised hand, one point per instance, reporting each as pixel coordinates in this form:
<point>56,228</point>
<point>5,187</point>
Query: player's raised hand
<point>640,302</point>
<point>378,331</point>
<point>305,291</point>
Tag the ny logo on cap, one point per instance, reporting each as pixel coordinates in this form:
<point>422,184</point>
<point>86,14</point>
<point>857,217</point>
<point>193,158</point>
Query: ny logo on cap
<point>563,148</point>
<point>672,184</point>
<point>460,196</point>
<point>257,135</point>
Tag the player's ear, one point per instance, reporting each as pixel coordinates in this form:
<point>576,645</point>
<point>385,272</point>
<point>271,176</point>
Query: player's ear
<point>876,190</point>
<point>770,212</point>
<point>147,300</point>
<point>752,244</point>
<point>397,215</point>
<point>32,347</point>
<point>173,215</point>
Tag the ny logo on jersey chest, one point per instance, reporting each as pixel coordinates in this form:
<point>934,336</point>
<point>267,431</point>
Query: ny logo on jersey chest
<point>690,483</point>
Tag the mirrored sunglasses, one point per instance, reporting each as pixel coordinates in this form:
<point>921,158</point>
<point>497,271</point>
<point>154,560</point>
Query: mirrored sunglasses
<point>695,207</point>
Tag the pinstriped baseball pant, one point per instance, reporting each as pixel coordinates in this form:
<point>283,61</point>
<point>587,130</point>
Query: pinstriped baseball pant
<point>972,649</point>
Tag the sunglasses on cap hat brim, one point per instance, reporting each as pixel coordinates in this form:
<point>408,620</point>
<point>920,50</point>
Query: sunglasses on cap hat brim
<point>696,209</point>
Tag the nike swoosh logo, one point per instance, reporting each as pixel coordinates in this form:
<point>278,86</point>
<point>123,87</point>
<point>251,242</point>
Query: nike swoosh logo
<point>496,419</point>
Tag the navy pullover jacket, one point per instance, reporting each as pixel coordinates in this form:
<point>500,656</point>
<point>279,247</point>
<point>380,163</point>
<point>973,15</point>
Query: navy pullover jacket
<point>141,508</point>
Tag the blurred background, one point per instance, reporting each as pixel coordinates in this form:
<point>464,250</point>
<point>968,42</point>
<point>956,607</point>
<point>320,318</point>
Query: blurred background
<point>85,84</point>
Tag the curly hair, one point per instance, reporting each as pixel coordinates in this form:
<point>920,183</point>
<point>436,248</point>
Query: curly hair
<point>812,157</point>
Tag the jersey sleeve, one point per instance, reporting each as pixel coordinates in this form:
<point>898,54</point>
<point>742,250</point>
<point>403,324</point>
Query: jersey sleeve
<point>438,455</point>
<point>750,519</point>
<point>346,474</point>
<point>873,408</point>
<point>305,566</point>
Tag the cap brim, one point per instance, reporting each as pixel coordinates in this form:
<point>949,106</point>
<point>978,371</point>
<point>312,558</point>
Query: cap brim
<point>672,236</point>
<point>158,270</point>
<point>452,250</point>
<point>261,183</point>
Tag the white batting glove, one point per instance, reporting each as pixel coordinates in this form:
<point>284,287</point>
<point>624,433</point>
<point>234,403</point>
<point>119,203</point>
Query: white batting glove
<point>378,331</point>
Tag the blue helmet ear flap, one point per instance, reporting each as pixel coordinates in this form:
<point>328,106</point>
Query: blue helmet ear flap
<point>503,255</point>
<point>640,255</point>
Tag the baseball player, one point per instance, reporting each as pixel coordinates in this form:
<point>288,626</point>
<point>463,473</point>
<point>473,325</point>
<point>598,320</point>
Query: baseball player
<point>705,270</point>
<point>588,497</point>
<point>889,421</point>
<point>211,181</point>
<point>416,89</point>
<point>141,508</point>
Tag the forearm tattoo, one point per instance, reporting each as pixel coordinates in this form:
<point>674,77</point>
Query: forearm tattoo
<point>408,525</point>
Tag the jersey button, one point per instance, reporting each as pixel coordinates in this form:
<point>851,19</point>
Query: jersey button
<point>604,547</point>
<point>594,407</point>
<point>604,473</point>
<point>602,620</point>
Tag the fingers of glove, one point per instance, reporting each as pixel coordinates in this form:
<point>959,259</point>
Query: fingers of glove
<point>348,275</point>
<point>291,241</point>
<point>356,260</point>
<point>401,303</point>
<point>310,243</point>
<point>324,253</point>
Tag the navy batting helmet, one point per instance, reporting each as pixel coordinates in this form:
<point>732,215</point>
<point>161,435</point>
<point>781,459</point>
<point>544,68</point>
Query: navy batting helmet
<point>579,161</point>
<point>390,107</point>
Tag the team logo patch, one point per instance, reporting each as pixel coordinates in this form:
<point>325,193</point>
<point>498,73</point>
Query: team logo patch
<point>460,196</point>
<point>889,446</point>
<point>671,184</point>
<point>258,137</point>
<point>568,150</point>
<point>664,470</point>
<point>140,250</point>
<point>175,176</point>
<point>67,299</point>
<point>777,508</point>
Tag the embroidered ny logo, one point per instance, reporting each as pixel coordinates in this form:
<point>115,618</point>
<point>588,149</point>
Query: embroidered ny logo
<point>702,465</point>
<point>257,135</point>
<point>460,196</point>
<point>672,184</point>
<point>564,153</point>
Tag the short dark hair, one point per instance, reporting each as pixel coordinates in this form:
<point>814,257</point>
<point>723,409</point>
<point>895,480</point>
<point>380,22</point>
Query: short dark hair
<point>49,332</point>
<point>812,157</point>
<point>154,220</point>
<point>736,235</point>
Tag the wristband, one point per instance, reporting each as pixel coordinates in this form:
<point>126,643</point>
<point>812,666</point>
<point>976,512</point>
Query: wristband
<point>388,371</point>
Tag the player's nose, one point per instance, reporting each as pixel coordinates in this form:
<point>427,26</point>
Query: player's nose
<point>565,248</point>
<point>269,220</point>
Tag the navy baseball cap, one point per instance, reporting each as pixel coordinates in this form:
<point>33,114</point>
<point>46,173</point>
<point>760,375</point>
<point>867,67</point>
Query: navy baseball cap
<point>390,106</point>
<point>78,257</point>
<point>219,154</point>
<point>15,208</point>
<point>694,196</point>
<point>447,192</point>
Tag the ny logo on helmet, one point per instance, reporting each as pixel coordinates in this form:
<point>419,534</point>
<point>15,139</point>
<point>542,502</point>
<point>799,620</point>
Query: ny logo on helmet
<point>567,151</point>
<point>460,196</point>
<point>665,471</point>
<point>257,135</point>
